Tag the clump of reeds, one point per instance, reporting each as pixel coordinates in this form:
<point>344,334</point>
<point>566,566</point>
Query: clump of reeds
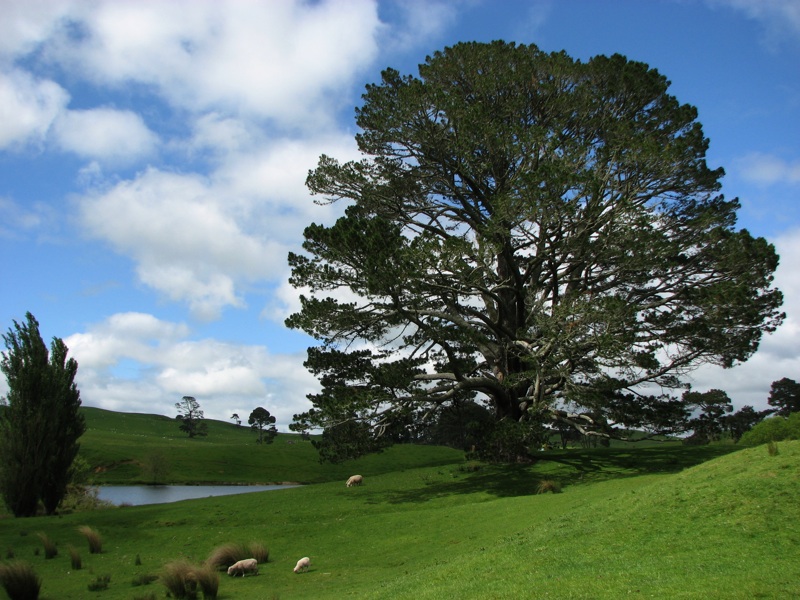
<point>100,583</point>
<point>138,561</point>
<point>208,580</point>
<point>143,579</point>
<point>548,485</point>
<point>93,537</point>
<point>772,448</point>
<point>180,580</point>
<point>224,556</point>
<point>50,549</point>
<point>74,558</point>
<point>258,551</point>
<point>20,581</point>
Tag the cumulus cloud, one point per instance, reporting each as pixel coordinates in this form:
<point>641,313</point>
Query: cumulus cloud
<point>284,60</point>
<point>105,134</point>
<point>225,378</point>
<point>28,107</point>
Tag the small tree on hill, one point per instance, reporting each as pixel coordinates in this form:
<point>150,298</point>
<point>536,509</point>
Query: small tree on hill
<point>41,424</point>
<point>264,423</point>
<point>236,419</point>
<point>190,415</point>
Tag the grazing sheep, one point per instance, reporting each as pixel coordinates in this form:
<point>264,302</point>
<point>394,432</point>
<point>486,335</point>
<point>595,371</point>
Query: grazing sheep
<point>355,480</point>
<point>302,564</point>
<point>248,565</point>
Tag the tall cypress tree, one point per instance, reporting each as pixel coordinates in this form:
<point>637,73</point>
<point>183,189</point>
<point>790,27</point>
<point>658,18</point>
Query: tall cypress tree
<point>41,424</point>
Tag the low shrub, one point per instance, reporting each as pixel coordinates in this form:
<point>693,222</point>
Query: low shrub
<point>775,429</point>
<point>93,537</point>
<point>20,581</point>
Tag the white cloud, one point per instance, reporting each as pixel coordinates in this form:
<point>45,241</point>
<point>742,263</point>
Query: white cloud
<point>105,134</point>
<point>186,241</point>
<point>28,107</point>
<point>225,378</point>
<point>25,25</point>
<point>284,60</point>
<point>768,169</point>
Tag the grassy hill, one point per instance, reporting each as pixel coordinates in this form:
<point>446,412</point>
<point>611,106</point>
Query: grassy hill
<point>669,522</point>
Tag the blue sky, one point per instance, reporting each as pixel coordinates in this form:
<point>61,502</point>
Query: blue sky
<point>153,158</point>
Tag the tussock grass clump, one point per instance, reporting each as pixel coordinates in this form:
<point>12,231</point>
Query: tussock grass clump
<point>208,580</point>
<point>74,558</point>
<point>9,553</point>
<point>50,549</point>
<point>224,556</point>
<point>93,537</point>
<point>258,551</point>
<point>772,448</point>
<point>20,581</point>
<point>100,583</point>
<point>143,579</point>
<point>548,485</point>
<point>180,580</point>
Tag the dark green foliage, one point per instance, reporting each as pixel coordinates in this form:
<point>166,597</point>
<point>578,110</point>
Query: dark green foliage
<point>709,423</point>
<point>774,429</point>
<point>20,581</point>
<point>41,424</point>
<point>529,230</point>
<point>785,396</point>
<point>263,422</point>
<point>190,415</point>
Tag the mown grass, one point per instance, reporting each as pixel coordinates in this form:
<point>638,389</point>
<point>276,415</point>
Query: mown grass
<point>663,522</point>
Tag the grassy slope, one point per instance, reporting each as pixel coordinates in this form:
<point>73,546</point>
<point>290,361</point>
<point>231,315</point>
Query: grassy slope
<point>117,444</point>
<point>628,523</point>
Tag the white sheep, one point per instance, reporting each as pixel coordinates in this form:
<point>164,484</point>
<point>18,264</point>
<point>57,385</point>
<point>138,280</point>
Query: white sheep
<point>248,565</point>
<point>355,480</point>
<point>302,564</point>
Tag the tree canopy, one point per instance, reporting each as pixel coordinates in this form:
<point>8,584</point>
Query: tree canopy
<point>41,424</point>
<point>537,233</point>
<point>263,422</point>
<point>784,395</point>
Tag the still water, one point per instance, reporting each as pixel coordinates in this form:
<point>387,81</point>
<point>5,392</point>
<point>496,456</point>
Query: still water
<point>136,495</point>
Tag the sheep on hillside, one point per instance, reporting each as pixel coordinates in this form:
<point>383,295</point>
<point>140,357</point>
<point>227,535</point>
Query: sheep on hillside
<point>248,565</point>
<point>355,480</point>
<point>302,564</point>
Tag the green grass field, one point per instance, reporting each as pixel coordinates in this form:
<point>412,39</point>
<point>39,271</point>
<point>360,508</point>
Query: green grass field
<point>656,522</point>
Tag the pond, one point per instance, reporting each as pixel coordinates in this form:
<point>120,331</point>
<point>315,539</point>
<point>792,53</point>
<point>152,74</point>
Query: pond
<point>135,495</point>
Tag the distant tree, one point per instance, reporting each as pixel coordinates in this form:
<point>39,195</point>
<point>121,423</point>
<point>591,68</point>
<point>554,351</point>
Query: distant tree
<point>708,425</point>
<point>236,419</point>
<point>155,466</point>
<point>264,423</point>
<point>784,395</point>
<point>527,229</point>
<point>190,415</point>
<point>40,424</point>
<point>743,420</point>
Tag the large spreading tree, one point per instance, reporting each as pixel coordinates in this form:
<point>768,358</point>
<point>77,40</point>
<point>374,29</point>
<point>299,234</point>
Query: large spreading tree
<point>40,424</point>
<point>534,232</point>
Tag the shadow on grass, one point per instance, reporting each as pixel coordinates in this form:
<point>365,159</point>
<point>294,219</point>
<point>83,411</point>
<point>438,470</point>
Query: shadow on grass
<point>569,467</point>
